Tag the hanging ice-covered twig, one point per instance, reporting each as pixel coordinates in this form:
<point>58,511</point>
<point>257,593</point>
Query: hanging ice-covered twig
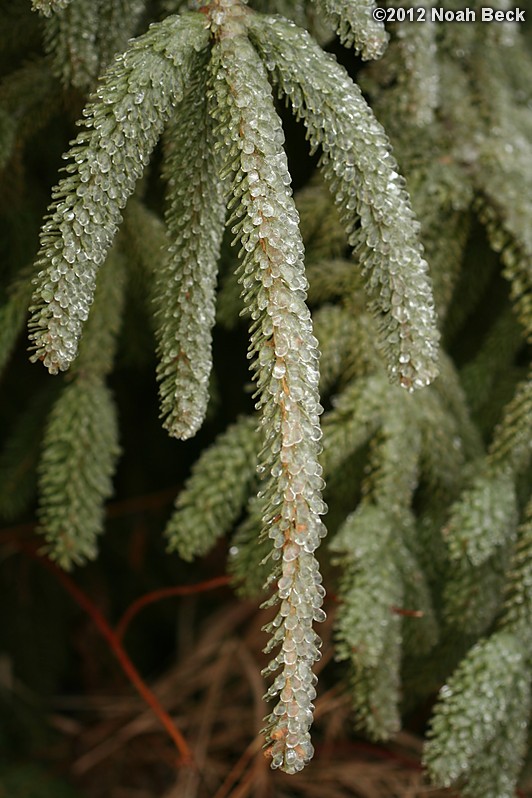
<point>80,446</point>
<point>356,25</point>
<point>363,176</point>
<point>122,126</point>
<point>48,7</point>
<point>285,363</point>
<point>186,285</point>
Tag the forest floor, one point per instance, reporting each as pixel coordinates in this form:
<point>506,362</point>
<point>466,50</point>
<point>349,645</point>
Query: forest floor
<point>203,683</point>
<point>214,694</point>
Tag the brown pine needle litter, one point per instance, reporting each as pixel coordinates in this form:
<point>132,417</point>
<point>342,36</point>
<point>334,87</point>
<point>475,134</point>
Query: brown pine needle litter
<point>214,694</point>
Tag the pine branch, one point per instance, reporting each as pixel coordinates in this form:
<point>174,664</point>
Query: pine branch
<point>355,417</point>
<point>122,126</point>
<point>504,184</point>
<point>496,773</point>
<point>186,285</point>
<point>375,691</point>
<point>442,450</point>
<point>518,600</point>
<point>367,631</point>
<point>356,26</point>
<point>20,454</point>
<point>419,75</point>
<point>97,348</point>
<point>216,492</point>
<point>285,368</point>
<point>345,331</point>
<point>82,37</point>
<point>118,21</point>
<point>79,454</point>
<point>484,518</point>
<point>13,314</point>
<point>511,446</point>
<point>393,467</point>
<point>405,84</point>
<point>143,242</point>
<point>369,586</point>
<point>49,7</point>
<point>344,355</point>
<point>250,555</point>
<point>80,447</point>
<point>362,174</point>
<point>145,238</point>
<point>451,393</point>
<point>441,198</point>
<point>474,709</point>
<point>472,595</point>
<point>420,628</point>
<point>71,41</point>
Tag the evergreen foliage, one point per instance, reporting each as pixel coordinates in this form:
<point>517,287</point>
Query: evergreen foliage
<point>428,491</point>
<point>122,127</point>
<point>13,314</point>
<point>356,26</point>
<point>79,454</point>
<point>80,445</point>
<point>481,711</point>
<point>20,455</point>
<point>374,206</point>
<point>186,287</point>
<point>285,366</point>
<point>203,512</point>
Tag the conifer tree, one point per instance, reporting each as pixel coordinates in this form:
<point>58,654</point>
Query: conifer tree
<point>389,295</point>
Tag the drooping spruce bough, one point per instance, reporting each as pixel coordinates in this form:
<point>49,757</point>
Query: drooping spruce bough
<point>426,496</point>
<point>161,79</point>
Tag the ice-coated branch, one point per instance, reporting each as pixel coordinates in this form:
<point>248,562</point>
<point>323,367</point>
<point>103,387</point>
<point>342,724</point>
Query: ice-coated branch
<point>122,126</point>
<point>518,598</point>
<point>363,177</point>
<point>216,491</point>
<point>48,7</point>
<point>474,718</point>
<point>186,284</point>
<point>80,450</point>
<point>80,446</point>
<point>285,365</point>
<point>356,26</point>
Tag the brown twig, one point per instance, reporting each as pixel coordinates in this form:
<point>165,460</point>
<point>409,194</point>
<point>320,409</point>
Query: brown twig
<point>186,758</point>
<point>407,613</point>
<point>162,593</point>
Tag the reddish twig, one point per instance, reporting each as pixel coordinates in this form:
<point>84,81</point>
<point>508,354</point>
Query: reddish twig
<point>162,593</point>
<point>120,653</point>
<point>408,613</point>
